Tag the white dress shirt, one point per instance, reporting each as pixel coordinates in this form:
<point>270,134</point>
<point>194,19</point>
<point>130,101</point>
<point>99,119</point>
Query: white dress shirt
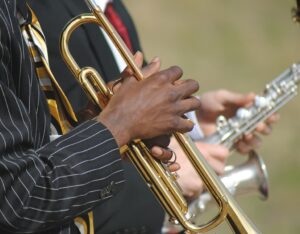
<point>118,58</point>
<point>196,133</point>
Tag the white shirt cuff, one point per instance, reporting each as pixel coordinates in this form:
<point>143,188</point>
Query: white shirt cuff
<point>196,134</point>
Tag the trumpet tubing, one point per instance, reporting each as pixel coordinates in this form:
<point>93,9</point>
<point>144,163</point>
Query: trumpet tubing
<point>159,180</point>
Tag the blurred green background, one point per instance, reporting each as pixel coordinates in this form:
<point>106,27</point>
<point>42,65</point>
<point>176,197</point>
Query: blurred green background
<point>241,46</point>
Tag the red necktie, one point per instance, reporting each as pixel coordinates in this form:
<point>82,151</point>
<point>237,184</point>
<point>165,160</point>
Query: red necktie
<point>118,24</point>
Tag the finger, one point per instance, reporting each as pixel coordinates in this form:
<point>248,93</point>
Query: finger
<point>188,105</point>
<point>187,87</point>
<point>260,127</point>
<point>115,85</point>
<point>127,82</point>
<point>267,130</point>
<point>263,128</point>
<point>161,141</point>
<point>253,142</point>
<point>249,100</point>
<point>219,152</point>
<point>138,59</point>
<point>173,167</point>
<point>245,146</point>
<point>273,118</point>
<point>248,136</point>
<point>182,125</point>
<point>237,98</point>
<point>242,147</point>
<point>161,153</point>
<point>216,165</point>
<point>170,75</point>
<point>152,68</point>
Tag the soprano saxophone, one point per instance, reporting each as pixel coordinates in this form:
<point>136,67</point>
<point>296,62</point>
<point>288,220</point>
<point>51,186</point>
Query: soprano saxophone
<point>250,176</point>
<point>276,94</point>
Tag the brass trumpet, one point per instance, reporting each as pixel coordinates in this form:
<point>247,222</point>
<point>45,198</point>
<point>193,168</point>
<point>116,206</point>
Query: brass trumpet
<point>159,180</point>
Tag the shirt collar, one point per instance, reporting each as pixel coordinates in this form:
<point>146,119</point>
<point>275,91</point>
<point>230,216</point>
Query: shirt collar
<point>102,3</point>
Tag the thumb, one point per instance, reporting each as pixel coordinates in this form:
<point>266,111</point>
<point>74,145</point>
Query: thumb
<point>138,59</point>
<point>152,67</point>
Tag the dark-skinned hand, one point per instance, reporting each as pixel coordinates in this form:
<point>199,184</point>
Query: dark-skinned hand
<point>151,107</point>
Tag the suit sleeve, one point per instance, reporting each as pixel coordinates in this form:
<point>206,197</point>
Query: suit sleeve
<point>45,185</point>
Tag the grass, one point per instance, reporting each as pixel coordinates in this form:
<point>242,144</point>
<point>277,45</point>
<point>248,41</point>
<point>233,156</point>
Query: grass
<point>237,45</point>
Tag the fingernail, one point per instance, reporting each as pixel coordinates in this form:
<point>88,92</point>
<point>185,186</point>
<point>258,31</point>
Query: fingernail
<point>248,136</point>
<point>157,151</point>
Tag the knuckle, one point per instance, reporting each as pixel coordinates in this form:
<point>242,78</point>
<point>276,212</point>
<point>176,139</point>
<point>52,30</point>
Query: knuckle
<point>194,84</point>
<point>172,95</point>
<point>176,70</point>
<point>168,126</point>
<point>189,125</point>
<point>196,102</point>
<point>163,77</point>
<point>175,122</point>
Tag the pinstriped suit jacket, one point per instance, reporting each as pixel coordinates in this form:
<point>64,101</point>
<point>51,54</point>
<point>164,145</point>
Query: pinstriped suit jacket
<point>44,185</point>
<point>124,213</point>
